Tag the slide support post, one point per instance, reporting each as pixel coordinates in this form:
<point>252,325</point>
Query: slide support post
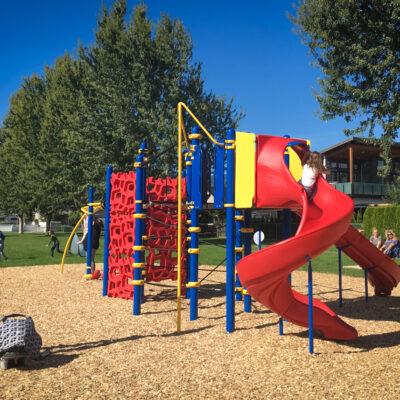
<point>340,277</point>
<point>230,228</point>
<point>310,309</point>
<point>88,273</point>
<point>107,229</point>
<point>286,228</point>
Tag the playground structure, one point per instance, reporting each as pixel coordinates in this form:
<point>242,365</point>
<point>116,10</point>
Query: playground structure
<point>156,222</point>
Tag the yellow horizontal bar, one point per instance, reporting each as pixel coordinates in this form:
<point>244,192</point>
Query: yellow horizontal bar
<point>139,216</point>
<point>193,136</point>
<point>194,250</point>
<point>239,249</point>
<point>193,284</point>
<point>229,205</point>
<point>194,229</point>
<point>138,282</point>
<point>244,291</point>
<point>87,276</point>
<point>145,237</point>
<point>246,230</point>
<point>230,141</point>
<point>188,163</point>
<point>139,248</point>
<point>231,147</point>
<point>95,204</point>
<point>138,201</point>
<point>138,265</point>
<point>238,289</point>
<point>239,218</point>
<point>137,164</point>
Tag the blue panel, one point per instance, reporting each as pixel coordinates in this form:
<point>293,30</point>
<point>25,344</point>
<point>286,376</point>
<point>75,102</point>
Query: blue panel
<point>197,190</point>
<point>219,177</point>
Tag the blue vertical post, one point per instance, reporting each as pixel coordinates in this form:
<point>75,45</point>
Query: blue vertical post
<point>230,230</point>
<point>188,175</point>
<point>238,251</point>
<point>340,276</point>
<point>366,284</point>
<point>89,233</point>
<point>247,250</point>
<point>194,229</point>
<point>286,227</point>
<point>139,216</point>
<point>310,310</point>
<point>107,229</point>
<point>219,156</point>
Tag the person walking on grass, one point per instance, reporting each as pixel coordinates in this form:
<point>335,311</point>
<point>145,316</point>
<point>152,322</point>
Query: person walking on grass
<point>2,239</point>
<point>56,243</point>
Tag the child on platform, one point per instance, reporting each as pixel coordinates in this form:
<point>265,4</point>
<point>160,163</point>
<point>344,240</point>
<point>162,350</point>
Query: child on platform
<point>311,170</point>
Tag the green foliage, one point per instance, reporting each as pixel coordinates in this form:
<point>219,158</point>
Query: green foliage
<point>359,217</point>
<point>356,44</point>
<point>393,192</point>
<point>383,218</point>
<point>93,109</point>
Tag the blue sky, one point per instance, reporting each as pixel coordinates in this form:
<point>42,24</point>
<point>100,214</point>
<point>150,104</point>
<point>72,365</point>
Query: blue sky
<point>247,48</point>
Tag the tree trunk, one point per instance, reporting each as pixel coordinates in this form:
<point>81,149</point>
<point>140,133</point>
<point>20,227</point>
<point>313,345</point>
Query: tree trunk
<point>48,220</point>
<point>21,223</point>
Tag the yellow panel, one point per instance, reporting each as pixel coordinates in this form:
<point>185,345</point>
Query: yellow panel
<point>245,166</point>
<point>295,164</point>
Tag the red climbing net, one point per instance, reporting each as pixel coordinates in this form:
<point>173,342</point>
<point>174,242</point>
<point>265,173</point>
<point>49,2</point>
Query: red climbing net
<point>161,231</point>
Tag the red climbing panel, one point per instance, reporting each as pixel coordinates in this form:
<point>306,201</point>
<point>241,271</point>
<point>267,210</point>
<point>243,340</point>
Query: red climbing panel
<point>161,230</point>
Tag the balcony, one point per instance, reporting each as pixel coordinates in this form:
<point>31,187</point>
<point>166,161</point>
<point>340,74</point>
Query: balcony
<point>361,188</point>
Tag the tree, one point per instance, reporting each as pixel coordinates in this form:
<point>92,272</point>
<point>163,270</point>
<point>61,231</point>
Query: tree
<point>94,108</point>
<point>356,43</point>
<point>19,145</point>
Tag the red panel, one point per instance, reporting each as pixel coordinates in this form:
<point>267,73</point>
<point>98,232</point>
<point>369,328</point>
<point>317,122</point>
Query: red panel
<point>161,228</point>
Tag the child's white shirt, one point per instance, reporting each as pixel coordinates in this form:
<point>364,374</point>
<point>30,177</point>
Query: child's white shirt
<point>309,176</point>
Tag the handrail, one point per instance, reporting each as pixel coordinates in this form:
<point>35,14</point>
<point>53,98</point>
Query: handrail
<point>183,105</point>
<point>97,207</point>
<point>66,248</point>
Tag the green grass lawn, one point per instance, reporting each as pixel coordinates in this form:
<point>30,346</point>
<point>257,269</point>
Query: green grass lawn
<point>30,249</point>
<point>212,253</point>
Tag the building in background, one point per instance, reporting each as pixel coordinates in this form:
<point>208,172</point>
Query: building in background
<point>354,166</point>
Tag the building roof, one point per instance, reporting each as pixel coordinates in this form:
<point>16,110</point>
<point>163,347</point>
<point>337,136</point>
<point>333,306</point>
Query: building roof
<point>356,140</point>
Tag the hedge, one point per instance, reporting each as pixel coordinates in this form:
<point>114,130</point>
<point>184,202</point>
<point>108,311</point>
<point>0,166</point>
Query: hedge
<point>383,218</point>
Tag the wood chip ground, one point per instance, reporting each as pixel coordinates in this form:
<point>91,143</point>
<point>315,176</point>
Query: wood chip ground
<point>100,351</point>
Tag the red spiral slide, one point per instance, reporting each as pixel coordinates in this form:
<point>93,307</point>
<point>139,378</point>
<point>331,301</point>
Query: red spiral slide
<point>324,221</point>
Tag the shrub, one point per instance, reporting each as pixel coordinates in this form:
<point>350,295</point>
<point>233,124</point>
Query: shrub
<point>383,218</point>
